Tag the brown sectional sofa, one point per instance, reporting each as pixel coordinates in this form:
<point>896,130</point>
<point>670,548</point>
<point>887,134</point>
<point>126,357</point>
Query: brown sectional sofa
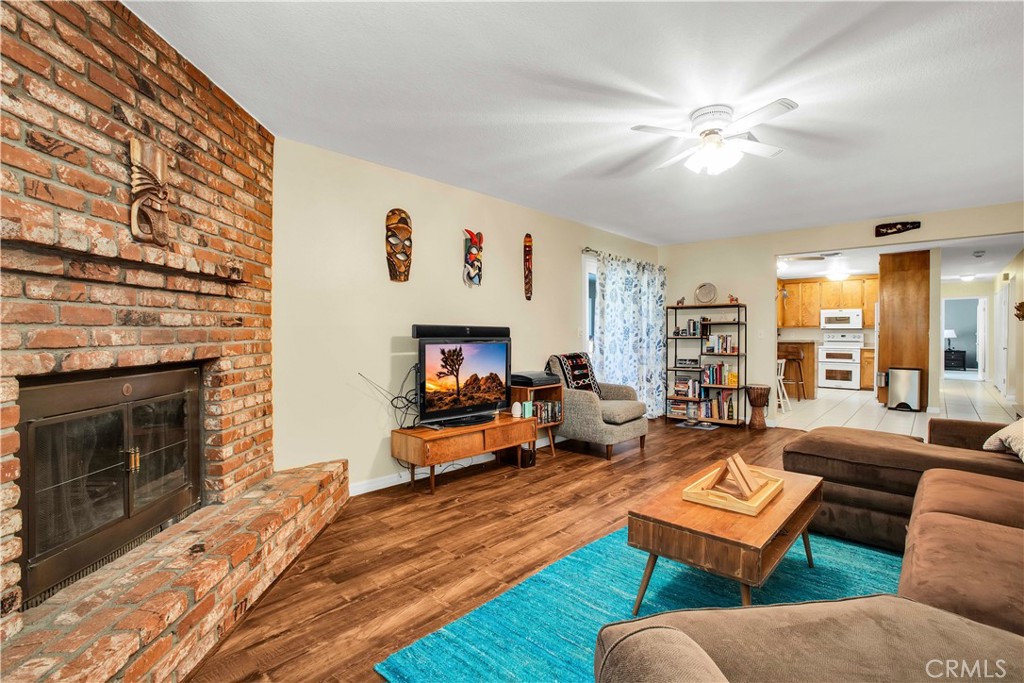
<point>961,601</point>
<point>871,477</point>
<point>965,547</point>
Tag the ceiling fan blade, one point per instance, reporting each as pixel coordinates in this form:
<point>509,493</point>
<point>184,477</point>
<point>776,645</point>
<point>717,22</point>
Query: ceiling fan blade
<point>679,157</point>
<point>665,131</point>
<point>748,144</point>
<point>759,116</point>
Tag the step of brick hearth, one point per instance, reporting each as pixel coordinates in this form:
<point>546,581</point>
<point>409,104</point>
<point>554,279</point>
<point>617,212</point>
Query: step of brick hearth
<point>153,613</point>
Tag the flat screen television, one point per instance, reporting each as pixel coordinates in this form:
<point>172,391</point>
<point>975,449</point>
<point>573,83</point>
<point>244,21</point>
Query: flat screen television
<point>463,380</point>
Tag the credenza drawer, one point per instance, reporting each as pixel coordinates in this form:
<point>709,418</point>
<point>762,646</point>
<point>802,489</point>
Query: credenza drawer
<point>453,448</point>
<point>510,435</point>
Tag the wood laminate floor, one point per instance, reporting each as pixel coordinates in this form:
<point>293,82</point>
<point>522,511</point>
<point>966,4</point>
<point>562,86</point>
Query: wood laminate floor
<point>396,565</point>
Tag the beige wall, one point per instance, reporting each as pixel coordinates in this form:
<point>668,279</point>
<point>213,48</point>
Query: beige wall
<point>1015,331</point>
<point>337,314</point>
<point>745,266</point>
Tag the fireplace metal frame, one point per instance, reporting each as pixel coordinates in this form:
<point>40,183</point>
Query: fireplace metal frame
<point>69,397</point>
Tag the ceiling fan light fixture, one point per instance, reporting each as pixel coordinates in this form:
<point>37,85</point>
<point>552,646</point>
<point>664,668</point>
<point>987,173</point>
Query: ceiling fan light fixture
<point>715,155</point>
<point>837,275</point>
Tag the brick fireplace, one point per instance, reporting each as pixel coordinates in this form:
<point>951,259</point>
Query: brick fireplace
<point>82,294</point>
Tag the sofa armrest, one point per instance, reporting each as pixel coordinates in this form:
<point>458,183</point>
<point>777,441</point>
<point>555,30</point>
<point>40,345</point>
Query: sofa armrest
<point>961,433</point>
<point>654,653</point>
<point>581,410</point>
<point>617,392</point>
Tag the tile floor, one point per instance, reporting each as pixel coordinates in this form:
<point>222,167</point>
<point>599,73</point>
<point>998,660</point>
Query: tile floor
<point>962,399</point>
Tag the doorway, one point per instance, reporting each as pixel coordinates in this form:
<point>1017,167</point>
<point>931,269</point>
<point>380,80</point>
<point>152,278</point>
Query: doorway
<point>964,332</point>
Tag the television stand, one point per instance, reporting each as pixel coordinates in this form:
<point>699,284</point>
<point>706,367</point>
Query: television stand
<point>467,421</point>
<point>425,447</point>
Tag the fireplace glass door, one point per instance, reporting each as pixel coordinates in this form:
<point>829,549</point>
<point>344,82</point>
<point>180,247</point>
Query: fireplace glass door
<point>106,463</point>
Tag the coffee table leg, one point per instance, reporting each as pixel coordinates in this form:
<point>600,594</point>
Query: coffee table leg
<point>651,561</point>
<point>745,594</point>
<point>807,549</point>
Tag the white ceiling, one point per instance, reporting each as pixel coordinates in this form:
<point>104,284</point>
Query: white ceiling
<point>904,107</point>
<point>957,258</point>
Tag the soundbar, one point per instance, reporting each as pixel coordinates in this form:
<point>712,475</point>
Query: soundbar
<point>448,331</point>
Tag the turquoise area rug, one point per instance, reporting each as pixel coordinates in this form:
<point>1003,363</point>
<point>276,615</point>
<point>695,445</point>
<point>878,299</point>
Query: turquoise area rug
<point>545,628</point>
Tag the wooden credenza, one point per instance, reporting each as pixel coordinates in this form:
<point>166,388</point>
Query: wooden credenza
<point>425,447</point>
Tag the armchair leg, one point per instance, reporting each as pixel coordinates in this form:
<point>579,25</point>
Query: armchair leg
<point>643,439</point>
<point>608,452</point>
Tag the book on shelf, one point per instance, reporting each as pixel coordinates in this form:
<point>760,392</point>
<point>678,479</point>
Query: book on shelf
<point>688,387</point>
<point>720,343</point>
<point>547,411</point>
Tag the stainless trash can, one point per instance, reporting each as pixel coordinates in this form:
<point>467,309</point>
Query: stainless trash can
<point>905,388</point>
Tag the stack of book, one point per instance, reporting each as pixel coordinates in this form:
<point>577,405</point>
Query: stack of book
<point>720,406</point>
<point>547,411</point>
<point>687,388</point>
<point>683,409</point>
<point>720,373</point>
<point>720,343</point>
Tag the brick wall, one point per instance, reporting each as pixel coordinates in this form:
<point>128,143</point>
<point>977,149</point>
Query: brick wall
<point>79,293</point>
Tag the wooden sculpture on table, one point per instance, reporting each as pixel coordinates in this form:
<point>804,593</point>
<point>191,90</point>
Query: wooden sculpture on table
<point>528,266</point>
<point>472,270</point>
<point>148,217</point>
<point>731,485</point>
<point>398,244</point>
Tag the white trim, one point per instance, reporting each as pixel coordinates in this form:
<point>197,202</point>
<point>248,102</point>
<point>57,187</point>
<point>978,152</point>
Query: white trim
<point>771,423</point>
<point>933,409</point>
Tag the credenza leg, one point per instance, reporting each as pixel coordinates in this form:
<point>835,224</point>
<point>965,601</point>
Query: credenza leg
<point>412,476</point>
<point>431,480</point>
<point>551,441</point>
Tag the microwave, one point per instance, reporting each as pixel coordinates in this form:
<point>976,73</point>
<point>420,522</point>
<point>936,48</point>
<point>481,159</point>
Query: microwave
<point>842,319</point>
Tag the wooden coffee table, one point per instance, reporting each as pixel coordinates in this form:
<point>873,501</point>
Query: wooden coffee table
<point>730,544</point>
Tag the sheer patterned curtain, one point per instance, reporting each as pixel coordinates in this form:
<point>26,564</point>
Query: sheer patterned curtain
<point>629,328</point>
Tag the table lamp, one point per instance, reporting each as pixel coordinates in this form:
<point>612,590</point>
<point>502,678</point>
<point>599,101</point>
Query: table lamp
<point>949,336</point>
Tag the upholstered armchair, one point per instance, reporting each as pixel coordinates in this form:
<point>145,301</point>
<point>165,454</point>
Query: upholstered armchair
<point>611,418</point>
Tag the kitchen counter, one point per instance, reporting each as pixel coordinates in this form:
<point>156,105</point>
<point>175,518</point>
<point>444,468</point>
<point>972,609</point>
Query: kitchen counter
<point>809,365</point>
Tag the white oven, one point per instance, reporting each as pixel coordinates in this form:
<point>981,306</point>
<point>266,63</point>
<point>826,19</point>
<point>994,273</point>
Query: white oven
<point>839,360</point>
<point>842,319</point>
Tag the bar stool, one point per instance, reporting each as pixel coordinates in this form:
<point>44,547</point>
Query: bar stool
<point>780,376</point>
<point>795,354</point>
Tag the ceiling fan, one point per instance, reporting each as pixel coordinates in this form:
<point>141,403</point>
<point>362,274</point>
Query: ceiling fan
<point>718,142</point>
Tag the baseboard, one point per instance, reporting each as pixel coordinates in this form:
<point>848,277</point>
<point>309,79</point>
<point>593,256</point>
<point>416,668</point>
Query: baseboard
<point>932,409</point>
<point>771,423</point>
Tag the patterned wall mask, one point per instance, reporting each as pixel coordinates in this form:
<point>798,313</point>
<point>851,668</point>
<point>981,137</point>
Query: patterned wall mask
<point>472,271</point>
<point>528,266</point>
<point>398,244</point>
<point>148,219</point>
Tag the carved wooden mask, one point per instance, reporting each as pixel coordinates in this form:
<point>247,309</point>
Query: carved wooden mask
<point>528,266</point>
<point>398,244</point>
<point>472,271</point>
<point>149,192</point>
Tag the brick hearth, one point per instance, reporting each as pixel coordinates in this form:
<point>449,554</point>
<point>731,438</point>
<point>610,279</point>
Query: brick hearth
<point>82,294</point>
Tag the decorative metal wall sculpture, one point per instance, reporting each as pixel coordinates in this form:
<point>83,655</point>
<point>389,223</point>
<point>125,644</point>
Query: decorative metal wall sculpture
<point>528,266</point>
<point>149,192</point>
<point>472,271</point>
<point>398,244</point>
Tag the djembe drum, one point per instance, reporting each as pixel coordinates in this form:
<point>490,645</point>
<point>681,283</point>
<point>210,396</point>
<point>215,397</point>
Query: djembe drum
<point>758,394</point>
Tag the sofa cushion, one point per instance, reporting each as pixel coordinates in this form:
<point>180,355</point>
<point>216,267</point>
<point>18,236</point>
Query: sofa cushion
<point>966,566</point>
<point>1008,439</point>
<point>987,499</point>
<point>879,638</point>
<point>621,412</point>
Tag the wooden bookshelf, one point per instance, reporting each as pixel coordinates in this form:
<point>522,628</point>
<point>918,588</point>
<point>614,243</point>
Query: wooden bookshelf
<point>728,343</point>
<point>551,392</point>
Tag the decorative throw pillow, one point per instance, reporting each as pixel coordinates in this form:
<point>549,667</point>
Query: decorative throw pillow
<point>579,373</point>
<point>1008,439</point>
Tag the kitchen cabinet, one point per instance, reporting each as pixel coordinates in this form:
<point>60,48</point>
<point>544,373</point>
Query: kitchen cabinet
<point>831,294</point>
<point>808,296</point>
<point>867,369</point>
<point>870,299</point>
<point>810,304</point>
<point>852,293</point>
<point>791,307</point>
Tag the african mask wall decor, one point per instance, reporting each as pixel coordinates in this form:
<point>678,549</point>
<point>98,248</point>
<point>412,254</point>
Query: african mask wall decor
<point>528,266</point>
<point>398,244</point>
<point>472,271</point>
<point>149,192</point>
